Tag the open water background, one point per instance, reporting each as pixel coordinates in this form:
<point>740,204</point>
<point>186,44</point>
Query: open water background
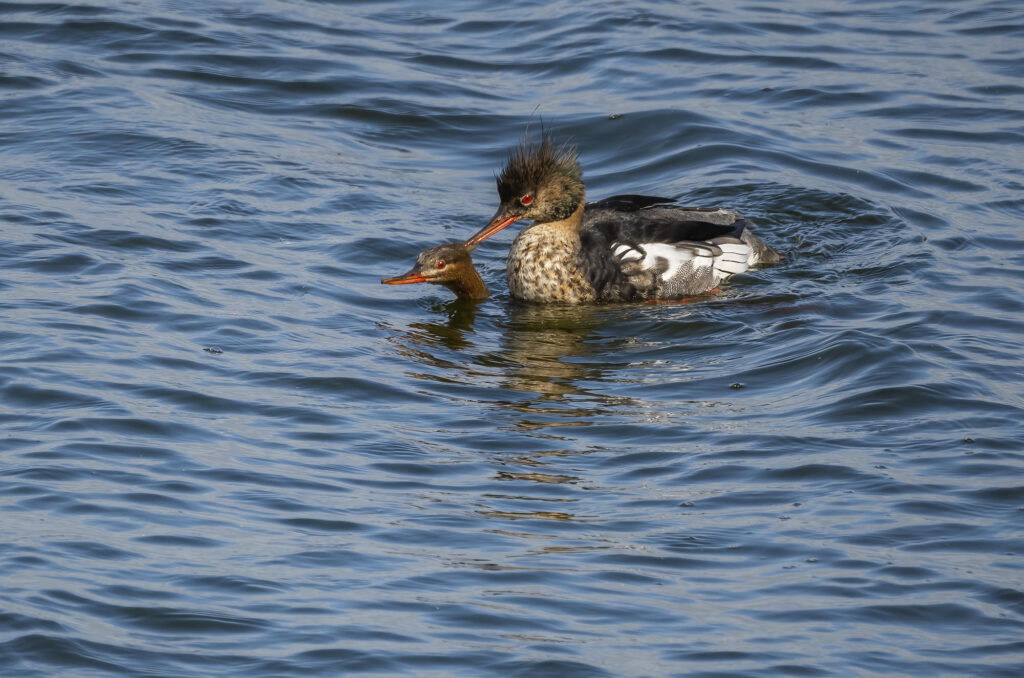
<point>227,450</point>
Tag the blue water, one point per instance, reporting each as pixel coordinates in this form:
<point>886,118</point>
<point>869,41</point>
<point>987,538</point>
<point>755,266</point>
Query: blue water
<point>227,450</point>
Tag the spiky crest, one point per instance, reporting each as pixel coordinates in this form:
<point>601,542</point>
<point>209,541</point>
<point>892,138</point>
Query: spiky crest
<point>532,165</point>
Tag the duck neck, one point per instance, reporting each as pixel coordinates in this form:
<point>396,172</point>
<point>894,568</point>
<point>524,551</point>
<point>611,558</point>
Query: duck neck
<point>469,285</point>
<point>564,229</point>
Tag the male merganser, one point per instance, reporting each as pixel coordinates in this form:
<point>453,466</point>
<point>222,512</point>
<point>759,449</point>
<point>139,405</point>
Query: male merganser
<point>623,248</point>
<point>450,265</point>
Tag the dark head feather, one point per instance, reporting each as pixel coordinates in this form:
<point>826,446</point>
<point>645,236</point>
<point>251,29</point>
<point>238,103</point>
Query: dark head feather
<point>550,176</point>
<point>533,164</point>
<point>450,252</point>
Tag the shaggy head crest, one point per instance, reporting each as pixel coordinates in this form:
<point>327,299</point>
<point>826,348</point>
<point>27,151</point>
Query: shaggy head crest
<point>532,165</point>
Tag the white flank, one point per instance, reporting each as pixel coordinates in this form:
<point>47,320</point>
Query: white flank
<point>724,258</point>
<point>676,256</point>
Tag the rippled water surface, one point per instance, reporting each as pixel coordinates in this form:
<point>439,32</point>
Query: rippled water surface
<point>227,450</point>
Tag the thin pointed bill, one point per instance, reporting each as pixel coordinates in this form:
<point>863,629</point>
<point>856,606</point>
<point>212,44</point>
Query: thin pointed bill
<point>409,278</point>
<point>499,221</point>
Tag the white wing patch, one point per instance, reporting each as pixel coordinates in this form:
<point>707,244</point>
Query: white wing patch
<point>626,252</point>
<point>670,259</point>
<point>715,260</point>
<point>735,258</point>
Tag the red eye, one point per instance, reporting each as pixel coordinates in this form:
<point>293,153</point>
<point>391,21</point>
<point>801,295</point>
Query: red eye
<point>526,199</point>
<point>441,264</point>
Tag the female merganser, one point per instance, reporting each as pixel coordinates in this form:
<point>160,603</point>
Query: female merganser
<point>623,248</point>
<point>449,265</point>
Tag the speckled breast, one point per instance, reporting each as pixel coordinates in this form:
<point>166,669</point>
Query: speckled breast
<point>543,269</point>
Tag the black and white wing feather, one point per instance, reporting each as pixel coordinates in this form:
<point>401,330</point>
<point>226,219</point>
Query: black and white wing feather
<point>642,247</point>
<point>670,270</point>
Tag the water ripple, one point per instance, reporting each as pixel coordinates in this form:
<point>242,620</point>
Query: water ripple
<point>229,450</point>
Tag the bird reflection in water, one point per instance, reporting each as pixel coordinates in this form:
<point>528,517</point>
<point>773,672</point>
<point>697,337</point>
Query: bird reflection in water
<point>552,354</point>
<point>533,359</point>
<point>550,377</point>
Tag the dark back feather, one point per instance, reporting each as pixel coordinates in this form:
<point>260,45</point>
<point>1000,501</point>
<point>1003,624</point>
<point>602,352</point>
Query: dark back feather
<point>622,219</point>
<point>628,203</point>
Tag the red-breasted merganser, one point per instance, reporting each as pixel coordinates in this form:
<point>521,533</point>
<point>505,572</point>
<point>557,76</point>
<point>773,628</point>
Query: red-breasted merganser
<point>450,265</point>
<point>623,248</point>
